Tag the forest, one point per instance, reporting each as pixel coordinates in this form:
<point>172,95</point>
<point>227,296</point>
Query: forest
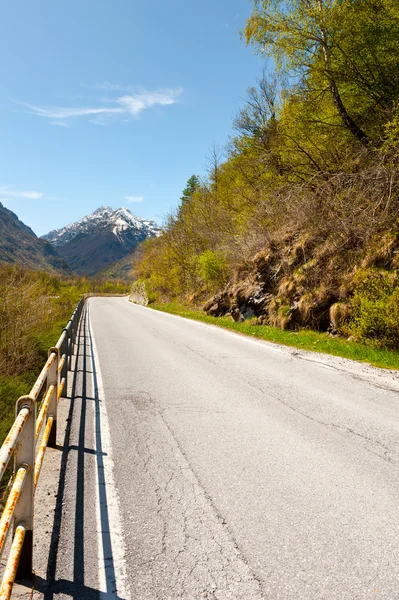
<point>296,225</point>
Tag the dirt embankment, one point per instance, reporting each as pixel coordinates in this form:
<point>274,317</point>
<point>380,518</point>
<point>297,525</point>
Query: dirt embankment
<point>303,281</point>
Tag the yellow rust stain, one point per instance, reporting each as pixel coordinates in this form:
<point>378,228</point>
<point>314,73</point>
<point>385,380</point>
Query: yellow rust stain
<point>61,387</point>
<point>43,375</point>
<point>62,362</point>
<point>11,503</point>
<point>44,409</point>
<point>12,563</point>
<point>42,450</point>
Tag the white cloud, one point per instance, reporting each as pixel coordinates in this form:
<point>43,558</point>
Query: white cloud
<point>97,121</point>
<point>106,86</point>
<point>130,199</point>
<point>11,192</point>
<point>129,104</point>
<point>60,123</point>
<point>135,103</point>
<point>59,112</point>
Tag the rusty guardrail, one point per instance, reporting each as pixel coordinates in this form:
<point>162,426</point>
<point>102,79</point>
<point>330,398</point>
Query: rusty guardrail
<point>21,442</point>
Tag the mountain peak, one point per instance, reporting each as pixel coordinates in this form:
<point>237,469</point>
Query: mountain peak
<point>104,216</point>
<point>102,209</point>
<point>101,238</point>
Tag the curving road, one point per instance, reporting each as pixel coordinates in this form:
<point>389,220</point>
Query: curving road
<point>240,469</point>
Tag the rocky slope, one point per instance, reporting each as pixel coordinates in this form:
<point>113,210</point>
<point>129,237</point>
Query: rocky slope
<point>100,239</point>
<point>299,281</point>
<point>19,244</point>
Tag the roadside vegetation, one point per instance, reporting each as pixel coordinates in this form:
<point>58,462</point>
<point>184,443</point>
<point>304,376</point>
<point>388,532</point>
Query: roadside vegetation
<point>297,225</point>
<point>304,339</point>
<point>34,307</point>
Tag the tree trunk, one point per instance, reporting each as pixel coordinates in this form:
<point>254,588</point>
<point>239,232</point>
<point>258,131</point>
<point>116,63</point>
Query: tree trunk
<point>346,118</point>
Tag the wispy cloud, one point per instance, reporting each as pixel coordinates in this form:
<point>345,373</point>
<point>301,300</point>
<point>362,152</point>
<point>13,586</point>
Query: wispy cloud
<point>8,191</point>
<point>128,104</point>
<point>107,86</point>
<point>59,112</point>
<point>135,103</point>
<point>60,123</point>
<point>130,199</point>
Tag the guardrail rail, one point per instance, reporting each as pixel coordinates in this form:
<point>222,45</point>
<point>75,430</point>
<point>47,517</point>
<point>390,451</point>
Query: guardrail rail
<point>27,441</point>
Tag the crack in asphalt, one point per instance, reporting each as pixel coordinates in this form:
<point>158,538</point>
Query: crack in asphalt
<point>336,426</point>
<point>342,428</point>
<point>192,537</point>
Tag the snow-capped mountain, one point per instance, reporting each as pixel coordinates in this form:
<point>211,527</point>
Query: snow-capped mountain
<point>101,238</point>
<point>120,220</point>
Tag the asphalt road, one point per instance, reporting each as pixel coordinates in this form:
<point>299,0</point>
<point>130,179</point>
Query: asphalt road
<point>234,468</point>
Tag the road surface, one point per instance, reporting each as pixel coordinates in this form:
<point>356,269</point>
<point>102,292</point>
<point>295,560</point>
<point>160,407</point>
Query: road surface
<point>201,464</point>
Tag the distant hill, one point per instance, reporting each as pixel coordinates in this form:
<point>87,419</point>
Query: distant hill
<point>101,239</point>
<point>121,269</point>
<point>18,244</point>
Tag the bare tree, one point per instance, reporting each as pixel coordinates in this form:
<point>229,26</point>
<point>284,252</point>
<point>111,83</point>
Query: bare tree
<point>259,112</point>
<point>213,163</point>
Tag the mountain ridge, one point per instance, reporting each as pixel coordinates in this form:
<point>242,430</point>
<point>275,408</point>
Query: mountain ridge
<point>61,236</point>
<point>101,238</point>
<point>19,244</point>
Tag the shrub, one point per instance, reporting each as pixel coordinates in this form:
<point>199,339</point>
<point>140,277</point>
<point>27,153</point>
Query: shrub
<point>213,267</point>
<point>376,308</point>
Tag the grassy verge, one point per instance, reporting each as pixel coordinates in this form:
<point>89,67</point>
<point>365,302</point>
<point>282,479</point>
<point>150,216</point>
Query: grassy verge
<point>304,339</point>
<point>12,387</point>
<point>49,338</point>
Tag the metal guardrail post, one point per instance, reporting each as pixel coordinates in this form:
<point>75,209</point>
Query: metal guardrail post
<point>73,333</point>
<point>53,378</point>
<point>24,510</point>
<point>64,370</point>
<point>69,344</point>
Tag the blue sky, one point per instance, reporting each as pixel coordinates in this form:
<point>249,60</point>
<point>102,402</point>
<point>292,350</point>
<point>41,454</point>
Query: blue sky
<point>115,102</point>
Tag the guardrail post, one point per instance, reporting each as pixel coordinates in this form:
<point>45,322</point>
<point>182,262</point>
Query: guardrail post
<point>24,510</point>
<point>53,378</point>
<point>75,324</point>
<point>64,370</point>
<point>73,333</point>
<point>69,344</point>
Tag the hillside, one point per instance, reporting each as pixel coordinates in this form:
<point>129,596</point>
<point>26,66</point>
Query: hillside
<point>100,239</point>
<point>18,244</point>
<point>298,226</point>
<point>121,269</point>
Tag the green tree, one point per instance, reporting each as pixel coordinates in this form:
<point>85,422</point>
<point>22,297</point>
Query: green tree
<point>192,186</point>
<point>348,47</point>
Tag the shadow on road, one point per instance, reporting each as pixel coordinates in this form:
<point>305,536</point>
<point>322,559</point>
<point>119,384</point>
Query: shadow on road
<point>83,394</point>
